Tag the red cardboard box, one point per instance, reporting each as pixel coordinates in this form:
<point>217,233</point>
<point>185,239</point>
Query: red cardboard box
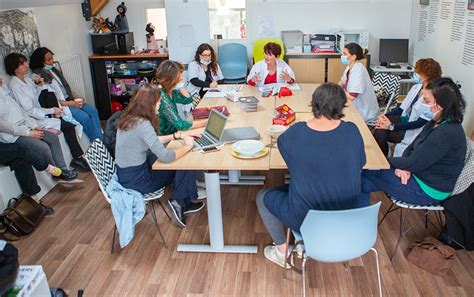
<point>283,115</point>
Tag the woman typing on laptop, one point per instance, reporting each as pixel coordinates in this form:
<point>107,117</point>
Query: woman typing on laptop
<point>136,137</point>
<point>170,77</point>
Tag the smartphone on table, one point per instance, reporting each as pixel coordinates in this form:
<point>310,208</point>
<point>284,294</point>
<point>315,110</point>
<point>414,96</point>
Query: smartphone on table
<point>210,149</point>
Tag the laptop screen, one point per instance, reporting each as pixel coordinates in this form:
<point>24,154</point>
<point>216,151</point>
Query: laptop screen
<point>215,124</point>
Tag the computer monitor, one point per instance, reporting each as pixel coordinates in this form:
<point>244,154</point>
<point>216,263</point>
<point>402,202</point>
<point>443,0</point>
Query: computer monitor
<point>393,51</point>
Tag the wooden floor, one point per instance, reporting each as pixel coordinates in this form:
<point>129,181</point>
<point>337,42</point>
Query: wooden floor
<point>73,246</point>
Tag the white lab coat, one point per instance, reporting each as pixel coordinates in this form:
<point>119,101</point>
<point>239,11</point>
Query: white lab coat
<point>26,94</point>
<point>415,113</point>
<point>360,83</point>
<point>195,70</point>
<point>262,69</point>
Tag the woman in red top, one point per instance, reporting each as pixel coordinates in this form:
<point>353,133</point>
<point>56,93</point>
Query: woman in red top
<point>271,69</point>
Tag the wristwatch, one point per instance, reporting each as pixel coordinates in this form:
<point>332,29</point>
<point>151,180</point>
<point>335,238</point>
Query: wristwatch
<point>391,127</point>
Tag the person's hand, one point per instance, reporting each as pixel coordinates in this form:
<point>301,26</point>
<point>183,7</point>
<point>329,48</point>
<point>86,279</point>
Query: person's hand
<point>36,133</point>
<point>383,122</point>
<point>195,134</point>
<point>79,102</point>
<point>256,78</point>
<point>213,85</point>
<point>188,140</point>
<point>57,111</point>
<point>39,81</point>
<point>285,76</point>
<point>404,175</point>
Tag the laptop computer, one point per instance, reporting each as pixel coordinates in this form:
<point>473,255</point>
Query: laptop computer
<point>212,135</point>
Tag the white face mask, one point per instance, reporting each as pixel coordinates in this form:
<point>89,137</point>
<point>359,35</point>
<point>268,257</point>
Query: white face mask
<point>204,62</point>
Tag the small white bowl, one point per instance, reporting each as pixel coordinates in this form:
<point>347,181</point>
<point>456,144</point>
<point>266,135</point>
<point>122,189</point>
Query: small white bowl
<point>248,147</point>
<point>275,130</point>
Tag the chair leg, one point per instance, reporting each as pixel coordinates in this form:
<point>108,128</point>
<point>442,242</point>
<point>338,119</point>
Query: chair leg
<point>164,209</point>
<point>288,231</point>
<point>303,275</point>
<point>378,270</point>
<point>386,213</point>
<point>113,239</point>
<point>402,223</point>
<point>426,219</point>
<point>156,224</point>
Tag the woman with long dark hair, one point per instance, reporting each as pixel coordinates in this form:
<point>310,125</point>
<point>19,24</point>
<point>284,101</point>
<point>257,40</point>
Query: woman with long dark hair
<point>204,71</point>
<point>136,138</point>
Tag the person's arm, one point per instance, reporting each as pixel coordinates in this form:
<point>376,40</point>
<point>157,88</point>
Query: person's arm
<point>182,96</point>
<point>148,134</point>
<point>435,146</point>
<point>410,125</point>
<point>167,111</point>
<point>13,129</point>
<point>26,102</point>
<point>199,83</point>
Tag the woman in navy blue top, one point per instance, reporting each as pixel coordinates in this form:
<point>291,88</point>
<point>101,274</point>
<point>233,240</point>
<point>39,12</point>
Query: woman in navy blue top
<point>325,157</point>
<point>427,171</point>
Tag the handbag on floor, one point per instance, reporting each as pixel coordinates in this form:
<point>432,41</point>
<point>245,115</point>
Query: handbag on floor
<point>431,255</point>
<point>21,217</point>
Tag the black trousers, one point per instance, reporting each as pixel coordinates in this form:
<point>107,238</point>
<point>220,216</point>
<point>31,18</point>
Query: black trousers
<point>20,158</point>
<point>69,131</point>
<point>383,137</point>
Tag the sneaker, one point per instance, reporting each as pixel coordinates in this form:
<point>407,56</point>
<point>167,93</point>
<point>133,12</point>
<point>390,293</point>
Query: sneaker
<point>202,194</point>
<point>193,207</point>
<point>175,209</point>
<point>80,163</point>
<point>48,210</point>
<point>271,253</point>
<point>67,175</point>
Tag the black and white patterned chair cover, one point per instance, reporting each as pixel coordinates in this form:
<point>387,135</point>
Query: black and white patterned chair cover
<point>386,86</point>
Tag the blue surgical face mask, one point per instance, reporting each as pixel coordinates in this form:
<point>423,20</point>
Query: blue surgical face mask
<point>416,78</point>
<point>3,91</point>
<point>426,110</point>
<point>48,67</point>
<point>179,86</point>
<point>344,60</point>
<point>204,62</point>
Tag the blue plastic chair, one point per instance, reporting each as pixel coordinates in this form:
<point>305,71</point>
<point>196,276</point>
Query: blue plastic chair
<point>340,235</point>
<point>233,62</point>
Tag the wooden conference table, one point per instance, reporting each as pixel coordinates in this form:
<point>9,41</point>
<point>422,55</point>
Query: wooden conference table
<point>213,162</point>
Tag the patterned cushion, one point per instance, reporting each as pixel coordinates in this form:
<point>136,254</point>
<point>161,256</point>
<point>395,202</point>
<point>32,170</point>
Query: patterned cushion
<point>101,162</point>
<point>154,195</point>
<point>415,206</point>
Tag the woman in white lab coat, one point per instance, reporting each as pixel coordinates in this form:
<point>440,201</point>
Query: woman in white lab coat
<point>404,123</point>
<point>271,69</point>
<point>204,71</point>
<point>357,83</point>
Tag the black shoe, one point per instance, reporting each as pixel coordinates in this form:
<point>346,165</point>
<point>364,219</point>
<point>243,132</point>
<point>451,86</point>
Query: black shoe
<point>193,207</point>
<point>67,175</point>
<point>80,163</point>
<point>48,210</point>
<point>177,213</point>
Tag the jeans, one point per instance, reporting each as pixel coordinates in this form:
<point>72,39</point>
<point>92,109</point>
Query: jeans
<point>20,158</point>
<point>143,179</point>
<point>388,182</point>
<point>274,226</point>
<point>49,147</point>
<point>89,119</point>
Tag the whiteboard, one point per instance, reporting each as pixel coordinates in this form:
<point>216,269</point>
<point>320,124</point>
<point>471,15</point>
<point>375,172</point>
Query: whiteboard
<point>188,26</point>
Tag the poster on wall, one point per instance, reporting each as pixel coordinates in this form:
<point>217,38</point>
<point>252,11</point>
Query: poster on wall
<point>18,32</point>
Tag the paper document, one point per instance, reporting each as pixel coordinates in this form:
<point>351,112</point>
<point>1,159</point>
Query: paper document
<point>276,87</point>
<point>226,88</point>
<point>221,91</point>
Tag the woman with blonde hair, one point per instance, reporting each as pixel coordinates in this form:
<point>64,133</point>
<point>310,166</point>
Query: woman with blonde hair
<point>136,138</point>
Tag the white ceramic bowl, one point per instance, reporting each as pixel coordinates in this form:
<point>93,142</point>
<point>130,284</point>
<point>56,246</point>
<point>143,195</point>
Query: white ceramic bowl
<point>248,147</point>
<point>275,130</point>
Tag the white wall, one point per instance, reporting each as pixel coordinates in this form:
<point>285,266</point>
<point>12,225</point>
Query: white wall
<point>63,29</point>
<point>439,46</point>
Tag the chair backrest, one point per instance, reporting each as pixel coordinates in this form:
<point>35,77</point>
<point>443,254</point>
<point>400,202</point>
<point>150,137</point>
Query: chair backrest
<point>102,165</point>
<point>233,60</point>
<point>260,44</point>
<point>390,85</point>
<point>340,235</point>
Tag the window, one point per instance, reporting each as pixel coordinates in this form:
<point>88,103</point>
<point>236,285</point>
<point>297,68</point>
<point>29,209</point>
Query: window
<point>227,18</point>
<point>157,16</point>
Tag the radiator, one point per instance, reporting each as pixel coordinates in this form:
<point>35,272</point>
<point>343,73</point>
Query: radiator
<point>71,68</point>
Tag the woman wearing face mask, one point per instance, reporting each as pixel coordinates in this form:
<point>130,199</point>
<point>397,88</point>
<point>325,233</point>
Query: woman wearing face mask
<point>204,71</point>
<point>41,63</point>
<point>136,138</point>
<point>429,168</point>
<point>170,76</point>
<point>403,124</point>
<point>271,69</point>
<point>357,83</point>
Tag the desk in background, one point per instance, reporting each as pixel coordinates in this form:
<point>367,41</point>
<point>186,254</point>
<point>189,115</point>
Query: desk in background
<point>212,163</point>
